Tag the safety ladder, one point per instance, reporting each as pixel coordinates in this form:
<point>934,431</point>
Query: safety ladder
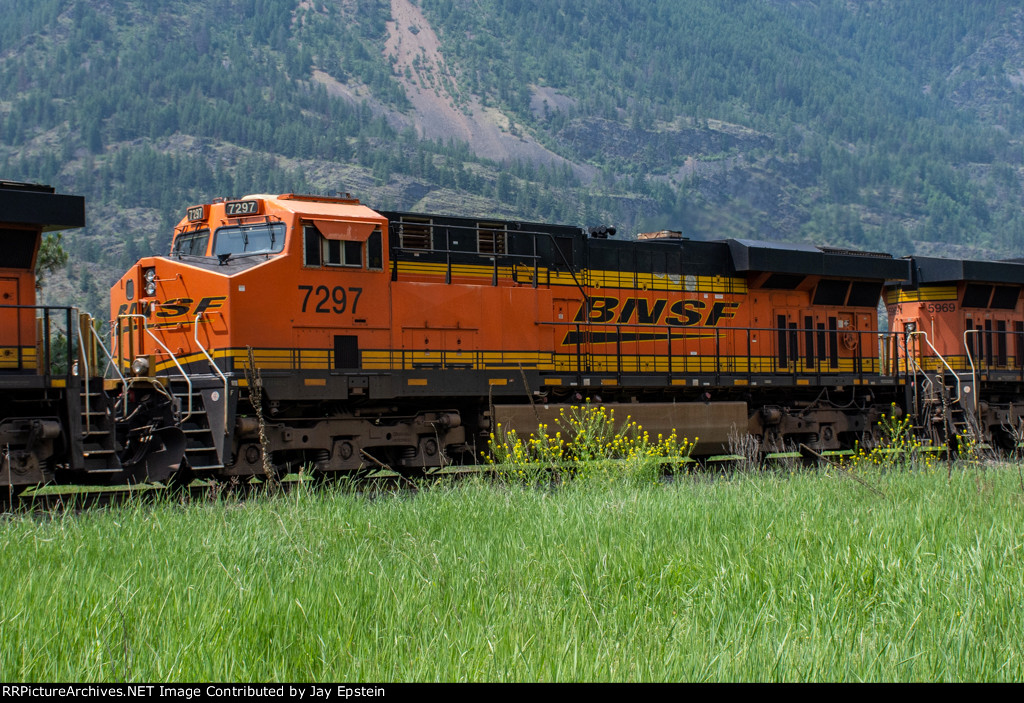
<point>96,416</point>
<point>203,424</point>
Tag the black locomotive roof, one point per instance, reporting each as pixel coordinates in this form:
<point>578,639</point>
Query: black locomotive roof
<point>661,256</point>
<point>560,245</point>
<point>934,270</point>
<point>34,204</point>
<point>806,259</point>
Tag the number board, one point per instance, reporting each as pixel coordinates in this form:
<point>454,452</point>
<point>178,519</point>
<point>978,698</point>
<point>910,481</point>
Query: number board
<point>237,208</point>
<point>196,213</point>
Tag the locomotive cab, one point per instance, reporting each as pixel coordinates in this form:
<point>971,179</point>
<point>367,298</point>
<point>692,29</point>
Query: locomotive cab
<point>961,316</point>
<point>292,285</point>
<point>278,272</point>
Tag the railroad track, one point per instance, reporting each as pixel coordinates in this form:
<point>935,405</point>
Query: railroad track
<point>384,480</point>
<point>80,498</point>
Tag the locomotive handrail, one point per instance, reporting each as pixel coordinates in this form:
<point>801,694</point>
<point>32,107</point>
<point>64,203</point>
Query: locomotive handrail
<point>109,353</point>
<point>917,368</point>
<point>115,350</point>
<point>125,382</point>
<point>397,255</point>
<point>184,375</point>
<point>214,366</point>
<point>820,365</point>
<point>399,250</point>
<point>85,367</point>
<point>47,356</point>
<point>110,362</point>
<point>940,358</point>
<point>487,255</point>
<point>974,373</point>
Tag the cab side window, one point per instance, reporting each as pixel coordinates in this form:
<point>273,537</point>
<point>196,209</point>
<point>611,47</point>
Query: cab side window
<point>318,250</point>
<point>375,252</point>
<point>337,252</point>
<point>311,246</point>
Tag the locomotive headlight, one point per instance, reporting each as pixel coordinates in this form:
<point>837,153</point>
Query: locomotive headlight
<point>140,367</point>
<point>149,278</point>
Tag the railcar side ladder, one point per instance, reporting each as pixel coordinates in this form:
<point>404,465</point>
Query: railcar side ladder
<point>97,431</point>
<point>207,425</point>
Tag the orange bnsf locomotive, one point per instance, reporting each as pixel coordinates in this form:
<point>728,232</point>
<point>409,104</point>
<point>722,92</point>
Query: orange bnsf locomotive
<point>958,327</point>
<point>403,339</point>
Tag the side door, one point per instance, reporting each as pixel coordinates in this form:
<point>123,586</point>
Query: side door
<point>10,327</point>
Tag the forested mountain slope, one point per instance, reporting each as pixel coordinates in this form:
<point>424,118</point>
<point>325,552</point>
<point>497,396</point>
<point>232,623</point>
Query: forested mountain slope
<point>878,124</point>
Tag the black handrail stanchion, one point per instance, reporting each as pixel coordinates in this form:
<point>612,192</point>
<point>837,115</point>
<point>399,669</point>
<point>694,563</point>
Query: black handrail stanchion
<point>70,338</point>
<point>618,350</point>
<point>668,334</point>
<point>536,264</point>
<point>860,354</point>
<point>750,371</point>
<point>721,365</point>
<point>46,342</point>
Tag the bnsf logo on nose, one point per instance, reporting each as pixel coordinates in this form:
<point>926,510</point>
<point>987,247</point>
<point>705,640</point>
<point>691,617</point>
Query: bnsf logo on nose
<point>177,307</point>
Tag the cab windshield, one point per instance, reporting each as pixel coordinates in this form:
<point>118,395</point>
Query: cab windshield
<point>264,238</point>
<point>191,243</point>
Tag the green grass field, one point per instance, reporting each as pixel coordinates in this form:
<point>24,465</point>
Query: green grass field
<point>762,576</point>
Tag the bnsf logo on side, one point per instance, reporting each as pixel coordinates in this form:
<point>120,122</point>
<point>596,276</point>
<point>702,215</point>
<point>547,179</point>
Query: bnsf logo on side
<point>175,307</point>
<point>640,311</point>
